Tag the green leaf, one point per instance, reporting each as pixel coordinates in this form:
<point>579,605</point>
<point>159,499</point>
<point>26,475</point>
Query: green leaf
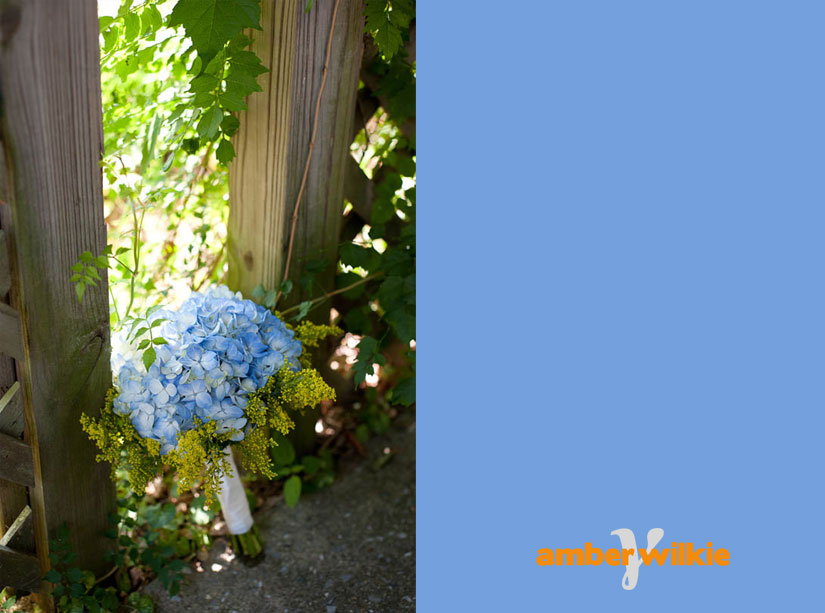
<point>283,454</point>
<point>232,102</point>
<point>53,576</point>
<point>258,292</point>
<point>308,7</point>
<point>143,344</point>
<point>240,83</point>
<point>404,392</point>
<point>204,83</point>
<point>386,20</point>
<point>368,355</point>
<point>75,575</point>
<point>149,357</point>
<point>209,123</point>
<point>248,62</point>
<point>151,18</point>
<point>131,26</point>
<point>359,256</point>
<point>80,289</point>
<point>292,491</point>
<point>230,124</point>
<point>270,298</point>
<point>303,309</point>
<point>311,464</point>
<point>382,211</point>
<point>210,24</point>
<point>159,341</point>
<point>285,287</point>
<point>110,38</point>
<point>225,152</point>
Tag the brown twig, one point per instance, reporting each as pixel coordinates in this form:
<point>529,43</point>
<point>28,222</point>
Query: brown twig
<point>340,290</point>
<point>309,153</point>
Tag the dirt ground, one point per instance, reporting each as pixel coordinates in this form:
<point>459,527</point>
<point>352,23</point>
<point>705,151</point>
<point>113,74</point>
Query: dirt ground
<point>347,548</point>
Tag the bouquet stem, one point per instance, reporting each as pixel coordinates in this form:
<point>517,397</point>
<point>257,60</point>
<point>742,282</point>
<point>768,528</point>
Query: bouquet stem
<point>248,544</point>
<point>245,538</point>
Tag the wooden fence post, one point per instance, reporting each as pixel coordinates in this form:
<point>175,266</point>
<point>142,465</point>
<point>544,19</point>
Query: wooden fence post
<point>51,210</point>
<point>274,138</point>
<point>272,146</point>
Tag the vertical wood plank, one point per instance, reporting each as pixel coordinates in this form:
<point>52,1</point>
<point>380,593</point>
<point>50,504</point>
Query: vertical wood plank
<point>272,146</point>
<point>52,141</point>
<point>13,497</point>
<point>273,142</point>
<point>258,176</point>
<point>5,272</point>
<point>321,213</point>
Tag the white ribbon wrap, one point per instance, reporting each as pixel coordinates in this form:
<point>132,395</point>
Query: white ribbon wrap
<point>233,500</point>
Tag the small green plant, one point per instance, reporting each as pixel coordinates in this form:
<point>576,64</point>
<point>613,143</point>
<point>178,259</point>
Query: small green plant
<point>75,590</point>
<point>310,474</point>
<point>6,600</point>
<point>148,540</point>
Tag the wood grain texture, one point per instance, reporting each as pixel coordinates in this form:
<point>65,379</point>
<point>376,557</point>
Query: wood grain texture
<point>13,497</point>
<point>52,141</point>
<point>272,146</point>
<point>11,411</point>
<point>11,332</point>
<point>19,570</point>
<point>17,526</point>
<point>258,176</point>
<point>5,272</point>
<point>321,213</point>
<point>16,461</point>
<point>273,142</point>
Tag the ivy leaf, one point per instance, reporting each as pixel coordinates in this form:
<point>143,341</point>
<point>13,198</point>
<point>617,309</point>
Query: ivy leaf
<point>303,309</point>
<point>210,24</point>
<point>151,18</point>
<point>80,289</point>
<point>225,152</point>
<point>203,83</point>
<point>149,357</point>
<point>285,287</point>
<point>258,292</point>
<point>230,125</point>
<point>283,454</point>
<point>247,62</point>
<point>368,355</point>
<point>385,20</point>
<point>292,491</point>
<point>210,122</point>
<point>404,392</point>
<point>131,26</point>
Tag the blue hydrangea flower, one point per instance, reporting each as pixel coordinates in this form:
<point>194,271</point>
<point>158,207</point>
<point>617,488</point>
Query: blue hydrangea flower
<point>220,349</point>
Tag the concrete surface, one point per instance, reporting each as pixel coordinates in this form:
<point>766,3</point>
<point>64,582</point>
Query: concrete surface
<point>348,548</point>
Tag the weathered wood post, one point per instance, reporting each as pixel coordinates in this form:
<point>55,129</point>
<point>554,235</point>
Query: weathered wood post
<point>56,362</point>
<point>274,140</point>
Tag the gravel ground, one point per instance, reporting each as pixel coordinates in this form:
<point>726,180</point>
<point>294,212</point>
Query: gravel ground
<point>348,548</point>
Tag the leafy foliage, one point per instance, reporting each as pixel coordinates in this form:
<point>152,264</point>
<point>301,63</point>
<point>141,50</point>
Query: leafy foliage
<point>211,23</point>
<point>387,20</point>
<point>75,589</point>
<point>309,474</point>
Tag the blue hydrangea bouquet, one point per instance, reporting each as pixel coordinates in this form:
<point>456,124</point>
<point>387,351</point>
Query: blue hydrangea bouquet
<point>189,383</point>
